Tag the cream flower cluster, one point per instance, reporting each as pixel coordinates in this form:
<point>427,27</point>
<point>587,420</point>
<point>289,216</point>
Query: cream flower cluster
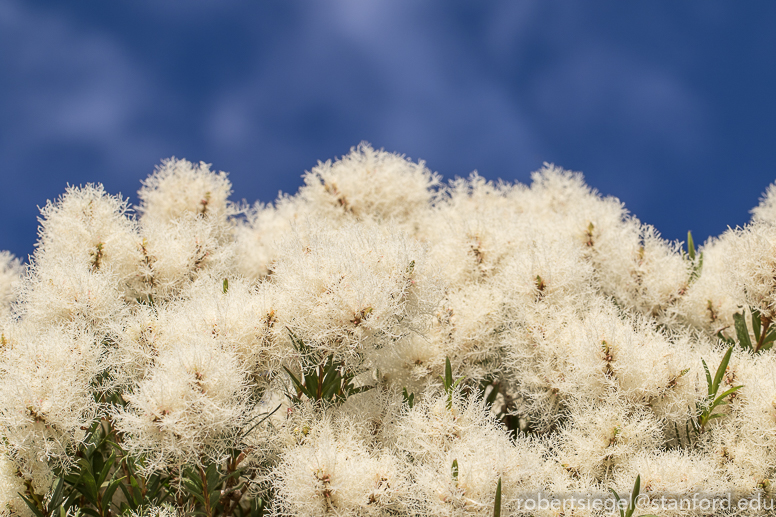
<point>202,335</point>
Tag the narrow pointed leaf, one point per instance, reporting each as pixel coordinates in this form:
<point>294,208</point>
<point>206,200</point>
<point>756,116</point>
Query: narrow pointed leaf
<point>690,246</point>
<point>107,496</point>
<point>91,512</point>
<point>756,323</point>
<point>497,502</point>
<point>299,386</point>
<point>456,383</point>
<point>448,374</point>
<point>31,504</point>
<point>721,370</point>
<point>741,331</point>
<point>719,399</point>
<point>617,500</point>
<point>56,496</point>
<point>360,389</point>
<point>634,495</point>
<point>708,378</point>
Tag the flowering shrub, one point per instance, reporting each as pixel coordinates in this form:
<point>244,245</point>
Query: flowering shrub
<point>380,343</point>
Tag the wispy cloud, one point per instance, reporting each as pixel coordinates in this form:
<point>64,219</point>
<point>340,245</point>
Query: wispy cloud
<point>265,90</point>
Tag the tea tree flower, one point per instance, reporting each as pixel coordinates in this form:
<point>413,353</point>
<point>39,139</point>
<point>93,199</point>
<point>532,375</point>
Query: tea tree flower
<point>11,485</point>
<point>370,184</point>
<point>180,189</point>
<point>47,383</point>
<point>332,471</point>
<point>190,407</point>
<point>87,225</point>
<point>379,343</point>
<point>10,273</point>
<point>347,290</point>
<point>601,437</point>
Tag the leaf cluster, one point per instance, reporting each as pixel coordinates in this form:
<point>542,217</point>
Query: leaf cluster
<point>219,490</point>
<point>103,469</point>
<point>705,408</point>
<point>326,381</point>
<point>764,333</point>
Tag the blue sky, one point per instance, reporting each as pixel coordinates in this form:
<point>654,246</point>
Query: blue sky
<point>667,105</point>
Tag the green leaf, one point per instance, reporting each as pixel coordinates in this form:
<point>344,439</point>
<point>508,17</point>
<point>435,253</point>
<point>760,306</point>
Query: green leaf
<point>724,339</point>
<point>457,382</point>
<point>106,470</point>
<point>198,497</point>
<point>708,378</point>
<point>226,285</point>
<point>718,400</point>
<point>129,496</point>
<point>741,331</point>
<point>722,368</point>
<point>56,496</point>
<point>698,268</point>
<point>89,488</point>
<point>617,501</point>
<point>91,512</point>
<point>107,496</point>
<point>634,496</point>
<point>409,399</point>
<point>497,502</point>
<point>32,505</point>
<point>257,507</point>
<point>690,246</point>
<point>756,323</point>
<point>194,487</point>
<point>212,473</point>
<point>448,380</point>
<point>299,386</point>
<point>360,389</point>
<point>454,470</point>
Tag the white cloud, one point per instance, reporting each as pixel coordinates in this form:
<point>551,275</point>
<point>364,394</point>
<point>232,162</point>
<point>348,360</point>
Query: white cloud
<point>68,84</point>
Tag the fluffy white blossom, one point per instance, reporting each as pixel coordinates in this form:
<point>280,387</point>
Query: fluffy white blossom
<point>354,288</point>
<point>370,184</point>
<point>180,189</point>
<point>11,485</point>
<point>47,384</point>
<point>601,437</point>
<point>766,211</point>
<point>458,453</point>
<point>753,265</point>
<point>713,298</point>
<point>68,290</point>
<point>332,471</point>
<point>10,273</point>
<point>190,407</point>
<point>87,225</point>
<point>672,474</point>
<point>380,343</point>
